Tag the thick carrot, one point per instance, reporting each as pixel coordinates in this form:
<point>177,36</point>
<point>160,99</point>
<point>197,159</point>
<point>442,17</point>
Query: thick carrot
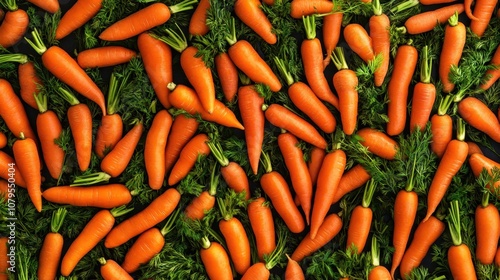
<point>487,222</point>
<point>478,115</point>
<point>157,58</point>
<point>453,45</point>
<point>327,231</point>
<point>478,162</point>
<point>282,117</point>
<point>300,8</point>
<point>332,24</point>
<point>397,90</point>
<point>28,161</point>
<point>378,143</point>
<point>360,221</point>
<point>492,75</point>
<point>314,164</point>
<point>425,235</point>
<point>4,261</point>
<point>51,251</point>
<point>424,94</point>
<point>14,25</point>
<point>198,22</point>
<point>483,11</point>
<point>474,148</point>
<point>154,148</point>
<point>29,82</point>
<point>182,130</point>
<point>293,270</point>
<point>378,272</point>
<point>9,170</point>
<point>134,24</point>
<point>352,179</point>
<point>250,103</point>
<point>196,147</point>
<point>215,260</point>
<point>250,13</point>
<point>379,33</point>
<point>51,6</point>
<point>158,210</point>
<point>426,21</point>
<point>359,41</point>
<point>79,14</point>
<point>228,75</point>
<point>103,196</point>
<point>204,202</point>
<point>262,223</point>
<point>104,56</point>
<point>441,127</point>
<point>111,270</point>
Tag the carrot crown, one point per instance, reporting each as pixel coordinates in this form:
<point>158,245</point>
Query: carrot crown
<point>57,219</point>
<point>273,259</point>
<point>454,223</point>
<point>185,5</point>
<point>404,6</point>
<point>228,205</point>
<point>444,105</point>
<point>214,181</point>
<point>453,20</point>
<point>205,242</point>
<point>37,43</point>
<point>91,179</point>
<point>41,101</point>
<point>460,129</point>
<point>17,58</point>
<point>485,200</point>
<point>170,222</point>
<point>11,5</point>
<point>218,153</point>
<point>266,162</point>
<point>310,26</point>
<point>231,38</point>
<point>284,70</point>
<point>68,96</point>
<point>375,252</point>
<point>102,260</point>
<point>377,8</point>
<point>120,211</point>
<point>425,66</point>
<point>244,79</point>
<point>176,40</point>
<point>368,193</point>
<point>116,86</point>
<point>338,58</point>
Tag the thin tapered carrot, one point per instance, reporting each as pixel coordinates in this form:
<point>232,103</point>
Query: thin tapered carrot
<point>312,58</point>
<point>328,230</point>
<point>278,191</point>
<point>51,251</point>
<point>104,56</point>
<point>30,83</point>
<point>360,221</point>
<point>103,196</point>
<point>328,181</point>
<point>483,11</point>
<point>453,158</point>
<point>297,168</point>
<point>195,148</point>
<point>111,270</point>
<point>293,270</point>
<point>282,117</point>
<point>215,260</point>
<point>468,9</point>
<point>453,45</point>
<point>478,115</point>
<point>204,202</point>
<point>426,21</point>
<point>14,24</point>
<point>4,263</point>
<point>198,22</point>
<point>352,179</point>
<point>93,232</point>
<point>300,8</point>
<point>314,164</point>
<point>397,90</point>
<point>379,33</point>
<point>154,148</point>
<point>182,130</point>
<point>3,140</point>
<point>183,97</point>
<point>425,235</point>
<point>474,148</point>
<point>378,143</point>
<point>487,222</point>
<point>158,210</point>
<point>478,162</point>
<point>28,161</point>
<point>6,163</point>
<point>424,94</point>
<point>492,75</point>
<point>228,75</point>
<point>157,58</point>
<point>441,127</point>
<point>378,272</point>
<point>359,41</point>
<point>250,13</point>
<point>79,14</point>
<point>459,255</point>
<point>262,223</point>
<point>51,6</point>
<point>332,24</point>
<point>132,25</point>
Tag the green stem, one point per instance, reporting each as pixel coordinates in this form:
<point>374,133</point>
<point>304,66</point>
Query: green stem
<point>425,66</point>
<point>454,223</point>
<point>218,153</point>
<point>284,70</point>
<point>57,219</point>
<point>444,104</point>
<point>21,136</point>
<point>231,38</point>
<point>410,184</point>
<point>266,162</point>
<point>275,256</point>
<point>244,79</point>
<point>442,277</point>
<point>37,43</point>
<point>176,40</point>
<point>214,181</point>
<point>185,5</point>
<point>91,179</point>
<point>205,242</point>
<point>453,20</point>
<point>41,101</point>
<point>11,5</point>
<point>102,260</point>
<point>368,193</point>
<point>68,96</point>
<point>459,95</point>
<point>404,6</point>
<point>264,107</point>
<point>310,26</point>
<point>375,252</point>
<point>401,29</point>
<point>485,200</point>
<point>116,86</point>
<point>170,222</point>
<point>120,211</point>
<point>377,8</point>
<point>171,86</point>
<point>460,129</point>
<point>338,58</point>
<point>17,58</point>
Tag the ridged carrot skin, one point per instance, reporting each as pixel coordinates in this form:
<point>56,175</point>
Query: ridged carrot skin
<point>262,223</point>
<point>332,24</point>
<point>345,82</point>
<point>197,23</point>
<point>104,56</point>
<point>216,261</point>
<point>487,222</point>
<point>108,134</point>
<point>478,115</point>
<point>483,11</point>
<point>237,243</point>
<point>361,219</point>
<point>424,94</point>
<point>6,163</point>
<point>378,143</point>
<point>314,164</point>
<point>111,270</point>
<point>200,77</point>
<point>359,41</point>
<point>80,13</point>
<point>104,196</point>
<point>49,129</point>
<point>29,82</point>
<point>461,263</point>
<point>442,133</point>
<point>200,205</point>
<point>27,160</point>
<point>154,148</point>
<point>250,13</point>
<point>80,122</point>
<point>192,150</point>
<point>182,130</point>
<point>13,27</point>
<point>453,45</point>
<point>236,178</point>
<point>352,179</point>
<point>51,6</point>
<point>300,8</point>
<point>379,33</point>
<point>52,246</point>
<point>426,21</point>
<point>147,245</point>
<point>228,75</point>
<point>293,270</point>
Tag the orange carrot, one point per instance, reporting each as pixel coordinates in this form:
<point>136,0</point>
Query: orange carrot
<point>228,75</point>
<point>79,14</point>
<point>10,171</point>
<point>478,115</point>
<point>474,148</point>
<point>468,9</point>
<point>51,251</point>
<point>492,75</point>
<point>215,260</point>
<point>154,148</point>
<point>198,22</point>
<point>453,45</point>
<point>300,8</point>
<point>3,140</point>
<point>441,127</point>
<point>102,196</point>
<point>196,147</point>
<point>261,270</point>
<point>378,272</point>
<point>487,222</point>
<point>360,221</point>
<point>293,270</point>
<point>359,41</point>
<point>426,21</point>
<point>250,13</point>
<point>28,161</point>
<point>30,83</point>
<point>51,6</point>
<point>424,94</point>
<point>332,24</point>
<point>314,164</point>
<point>104,56</point>
<point>380,37</point>
<point>478,162</point>
<point>4,261</point>
<point>378,143</point>
<point>14,25</point>
<point>483,11</point>
<point>111,270</point>
<point>204,202</point>
<point>352,179</point>
<point>262,223</point>
<point>183,128</point>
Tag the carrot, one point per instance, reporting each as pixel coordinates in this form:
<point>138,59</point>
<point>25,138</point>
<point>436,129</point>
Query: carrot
<point>426,21</point>
<point>483,11</point>
<point>215,260</point>
<point>328,181</point>
<point>228,75</point>
<point>262,223</point>
<point>268,2</point>
<point>58,62</point>
<point>132,25</point>
<point>157,58</point>
<point>79,14</point>
<point>3,140</point>
<point>474,148</point>
<point>487,221</point>
<point>198,22</point>
<point>453,45</point>
<point>314,164</point>
<point>248,60</point>
<point>4,261</point>
<point>293,270</point>
<point>182,130</point>
<point>459,256</point>
<point>297,168</point>
<point>49,129</point>
<point>51,6</point>
<point>359,41</point>
<point>425,235</point>
<point>104,56</point>
<point>30,83</point>
<point>158,210</point>
<point>378,143</point>
<point>328,230</point>
<point>14,24</point>
<point>250,13</point>
<point>203,203</point>
<point>93,232</point>
<point>360,221</point>
<point>441,127</point>
<point>13,113</point>
<point>233,174</point>
<point>397,90</point>
<point>154,148</point>
<point>379,33</point>
<point>116,161</point>
<point>345,82</point>
<point>147,245</point>
<point>28,161</point>
<point>9,171</point>
<point>451,162</point>
<point>50,253</point>
<point>276,188</point>
<point>111,270</point>
<point>80,123</point>
<point>183,97</point>
<point>196,147</point>
<point>352,179</point>
<point>332,24</point>
<point>424,94</point>
<point>478,115</point>
<point>378,272</point>
<point>492,75</point>
<point>300,8</point>
<point>478,162</point>
<point>312,58</point>
<point>102,196</point>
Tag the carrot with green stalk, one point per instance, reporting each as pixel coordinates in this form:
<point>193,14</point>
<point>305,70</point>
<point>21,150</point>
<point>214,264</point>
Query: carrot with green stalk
<point>487,221</point>
<point>215,260</point>
<point>451,53</point>
<point>361,220</point>
<point>262,224</point>
<point>378,272</point>
<point>478,163</point>
<point>14,24</point>
<point>204,202</point>
<point>424,94</point>
<point>27,160</point>
<point>379,33</point>
<point>441,127</point>
<point>50,253</point>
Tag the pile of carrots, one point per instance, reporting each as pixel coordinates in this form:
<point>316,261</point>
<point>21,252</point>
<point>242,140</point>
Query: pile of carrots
<point>246,139</point>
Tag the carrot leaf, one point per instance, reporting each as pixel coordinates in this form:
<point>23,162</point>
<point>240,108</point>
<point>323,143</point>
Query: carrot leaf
<point>91,179</point>
<point>454,223</point>
<point>176,40</point>
<point>368,193</point>
<point>182,6</point>
<point>37,43</point>
<point>57,219</point>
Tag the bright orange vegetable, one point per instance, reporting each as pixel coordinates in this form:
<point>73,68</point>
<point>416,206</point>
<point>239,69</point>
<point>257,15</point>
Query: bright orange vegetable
<point>103,196</point>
